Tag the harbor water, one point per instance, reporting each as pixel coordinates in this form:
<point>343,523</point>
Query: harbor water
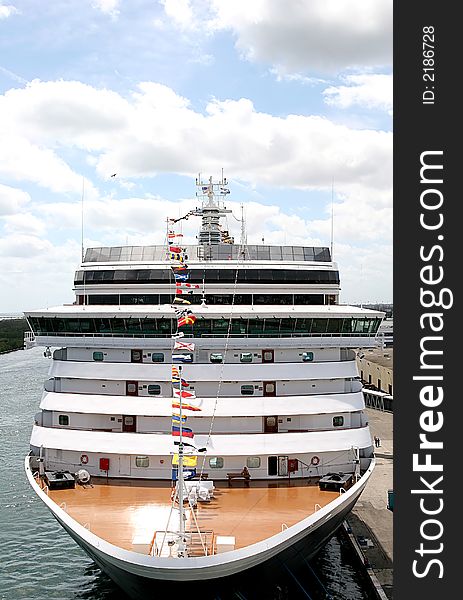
<point>40,561</point>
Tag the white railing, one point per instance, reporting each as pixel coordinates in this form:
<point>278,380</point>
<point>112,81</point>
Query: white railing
<point>29,339</point>
<point>264,334</point>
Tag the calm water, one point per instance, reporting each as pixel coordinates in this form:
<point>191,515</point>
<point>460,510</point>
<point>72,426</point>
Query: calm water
<point>40,561</point>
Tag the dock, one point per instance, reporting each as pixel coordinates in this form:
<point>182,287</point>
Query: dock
<point>369,526</point>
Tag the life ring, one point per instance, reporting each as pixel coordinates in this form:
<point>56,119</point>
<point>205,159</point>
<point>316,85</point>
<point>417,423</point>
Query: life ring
<point>84,459</point>
<point>315,461</point>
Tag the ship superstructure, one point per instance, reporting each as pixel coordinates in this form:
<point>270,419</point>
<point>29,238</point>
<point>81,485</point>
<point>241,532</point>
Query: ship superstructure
<point>269,363</point>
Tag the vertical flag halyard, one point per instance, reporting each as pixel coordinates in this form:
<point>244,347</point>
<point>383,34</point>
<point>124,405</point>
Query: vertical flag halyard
<point>176,254</point>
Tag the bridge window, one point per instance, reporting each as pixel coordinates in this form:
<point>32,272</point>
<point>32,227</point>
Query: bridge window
<point>338,421</point>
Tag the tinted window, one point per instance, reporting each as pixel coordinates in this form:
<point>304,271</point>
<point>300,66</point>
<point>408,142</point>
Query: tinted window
<point>246,357</point>
<point>163,327</point>
<point>266,275</point>
<point>247,390</point>
<point>216,357</point>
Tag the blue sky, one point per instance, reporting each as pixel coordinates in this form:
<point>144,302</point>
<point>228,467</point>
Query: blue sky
<point>293,100</point>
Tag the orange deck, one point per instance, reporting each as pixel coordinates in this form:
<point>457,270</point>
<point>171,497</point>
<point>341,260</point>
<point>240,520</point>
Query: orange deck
<point>118,510</point>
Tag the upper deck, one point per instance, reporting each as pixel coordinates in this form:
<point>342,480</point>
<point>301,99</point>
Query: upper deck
<point>224,273</point>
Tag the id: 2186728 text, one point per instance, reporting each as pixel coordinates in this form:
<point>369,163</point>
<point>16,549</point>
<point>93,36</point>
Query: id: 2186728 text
<point>428,40</point>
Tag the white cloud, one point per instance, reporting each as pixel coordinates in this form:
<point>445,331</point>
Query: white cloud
<point>156,131</point>
<point>19,245</point>
<point>356,217</point>
<point>366,272</point>
<point>35,273</point>
<point>180,12</point>
<point>37,121</point>
<point>320,35</point>
<point>366,90</point>
<point>23,161</point>
<point>108,7</point>
<point>297,77</point>
<point>359,213</point>
<point>362,240</point>
<point>24,223</point>
<point>6,10</point>
<point>12,200</point>
<point>58,112</point>
<point>113,219</point>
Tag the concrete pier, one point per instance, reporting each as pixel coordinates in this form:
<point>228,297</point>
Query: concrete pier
<point>370,521</point>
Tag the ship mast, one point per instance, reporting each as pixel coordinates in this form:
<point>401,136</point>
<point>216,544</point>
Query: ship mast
<point>212,209</point>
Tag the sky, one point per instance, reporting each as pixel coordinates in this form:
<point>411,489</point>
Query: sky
<point>293,100</point>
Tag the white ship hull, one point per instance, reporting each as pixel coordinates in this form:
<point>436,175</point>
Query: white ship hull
<point>137,574</point>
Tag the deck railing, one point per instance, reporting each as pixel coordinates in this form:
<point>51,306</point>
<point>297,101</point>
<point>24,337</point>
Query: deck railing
<point>207,335</point>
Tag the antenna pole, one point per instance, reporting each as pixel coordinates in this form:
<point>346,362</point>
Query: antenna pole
<point>361,280</point>
<point>332,218</point>
<point>82,219</point>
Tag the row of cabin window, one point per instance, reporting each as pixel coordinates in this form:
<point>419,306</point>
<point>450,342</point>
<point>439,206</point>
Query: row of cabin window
<point>215,357</point>
<point>246,357</point>
<point>252,462</point>
<point>64,420</point>
<point>156,357</point>
<point>215,462</point>
<point>246,389</point>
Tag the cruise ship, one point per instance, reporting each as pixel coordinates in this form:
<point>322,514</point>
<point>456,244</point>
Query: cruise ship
<point>203,418</point>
